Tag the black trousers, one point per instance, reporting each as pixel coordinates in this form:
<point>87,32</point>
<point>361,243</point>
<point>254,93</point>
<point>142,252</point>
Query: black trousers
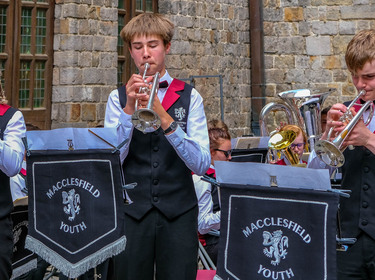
<point>358,262</point>
<point>6,247</point>
<point>155,244</point>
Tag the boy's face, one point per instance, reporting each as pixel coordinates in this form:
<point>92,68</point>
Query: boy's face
<point>149,49</point>
<point>365,79</point>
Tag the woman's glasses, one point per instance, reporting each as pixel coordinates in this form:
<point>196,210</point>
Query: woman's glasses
<point>226,153</point>
<point>299,145</point>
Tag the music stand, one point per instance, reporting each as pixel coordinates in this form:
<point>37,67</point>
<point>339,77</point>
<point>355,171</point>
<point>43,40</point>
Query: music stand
<point>249,155</point>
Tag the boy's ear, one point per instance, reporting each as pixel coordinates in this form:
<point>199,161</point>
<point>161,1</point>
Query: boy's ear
<point>167,47</point>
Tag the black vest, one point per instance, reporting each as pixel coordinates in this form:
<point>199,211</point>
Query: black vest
<point>6,203</point>
<point>163,180</point>
<point>358,212</point>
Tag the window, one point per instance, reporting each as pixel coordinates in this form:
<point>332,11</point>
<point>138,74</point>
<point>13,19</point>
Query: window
<point>127,9</point>
<point>26,54</point>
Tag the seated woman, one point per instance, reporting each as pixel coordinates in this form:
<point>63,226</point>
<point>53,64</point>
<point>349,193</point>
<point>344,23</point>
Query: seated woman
<point>299,145</point>
<point>207,194</point>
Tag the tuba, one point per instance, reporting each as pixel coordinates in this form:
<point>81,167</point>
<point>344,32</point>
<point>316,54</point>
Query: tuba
<point>331,152</point>
<point>302,107</point>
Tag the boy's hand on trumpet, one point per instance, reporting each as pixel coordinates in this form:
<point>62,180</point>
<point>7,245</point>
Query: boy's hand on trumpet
<point>360,134</point>
<point>334,120</point>
<point>134,91</point>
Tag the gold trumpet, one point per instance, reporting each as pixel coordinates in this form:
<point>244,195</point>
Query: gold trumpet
<point>280,143</point>
<point>331,152</point>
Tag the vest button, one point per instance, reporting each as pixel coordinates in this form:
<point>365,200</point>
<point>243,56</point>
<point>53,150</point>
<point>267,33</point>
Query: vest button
<point>366,169</point>
<point>155,164</point>
<point>364,204</point>
<point>156,148</point>
<point>367,152</point>
<point>366,187</point>
<point>155,181</point>
<point>364,222</point>
<point>155,199</point>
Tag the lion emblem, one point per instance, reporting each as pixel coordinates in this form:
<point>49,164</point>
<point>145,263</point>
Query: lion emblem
<point>72,200</point>
<point>277,244</point>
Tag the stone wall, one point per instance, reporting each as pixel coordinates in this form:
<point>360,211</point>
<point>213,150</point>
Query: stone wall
<point>85,61</point>
<point>212,39</point>
<point>305,43</point>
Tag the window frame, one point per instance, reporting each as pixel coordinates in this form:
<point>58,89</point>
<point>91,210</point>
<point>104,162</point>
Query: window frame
<point>41,116</point>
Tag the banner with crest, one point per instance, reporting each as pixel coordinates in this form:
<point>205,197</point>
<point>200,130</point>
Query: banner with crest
<point>277,233</point>
<point>75,197</point>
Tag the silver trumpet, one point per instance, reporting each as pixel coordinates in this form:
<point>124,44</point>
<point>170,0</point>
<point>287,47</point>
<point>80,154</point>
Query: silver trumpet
<point>145,119</point>
<point>331,152</point>
<point>142,89</point>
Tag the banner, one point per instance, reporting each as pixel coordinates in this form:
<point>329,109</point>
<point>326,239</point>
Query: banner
<point>75,215</point>
<point>23,260</point>
<point>276,233</point>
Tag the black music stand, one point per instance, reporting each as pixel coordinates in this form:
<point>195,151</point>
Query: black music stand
<point>276,232</point>
<point>249,155</point>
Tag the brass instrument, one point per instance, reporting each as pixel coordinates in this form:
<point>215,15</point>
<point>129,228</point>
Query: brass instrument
<point>145,119</point>
<point>331,152</point>
<point>280,142</point>
<point>303,108</point>
<point>143,89</point>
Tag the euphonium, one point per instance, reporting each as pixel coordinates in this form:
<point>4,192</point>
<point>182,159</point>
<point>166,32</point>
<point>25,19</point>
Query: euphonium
<point>280,142</point>
<point>145,119</point>
<point>303,107</point>
<point>331,152</point>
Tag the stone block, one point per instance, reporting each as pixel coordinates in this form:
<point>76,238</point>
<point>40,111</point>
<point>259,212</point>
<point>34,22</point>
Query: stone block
<point>88,112</point>
<point>293,14</point>
<point>318,45</point>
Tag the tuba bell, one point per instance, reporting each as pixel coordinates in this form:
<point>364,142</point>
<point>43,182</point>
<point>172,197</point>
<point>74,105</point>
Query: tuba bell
<point>331,152</point>
<point>303,108</point>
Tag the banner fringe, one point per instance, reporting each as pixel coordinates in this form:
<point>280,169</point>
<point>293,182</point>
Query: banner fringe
<point>74,270</point>
<point>25,268</point>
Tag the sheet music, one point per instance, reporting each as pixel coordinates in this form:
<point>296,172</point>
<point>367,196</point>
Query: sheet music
<point>262,174</point>
<point>78,138</point>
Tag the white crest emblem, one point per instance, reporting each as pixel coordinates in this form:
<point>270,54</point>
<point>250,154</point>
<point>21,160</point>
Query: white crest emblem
<point>72,200</point>
<point>180,113</point>
<point>276,242</point>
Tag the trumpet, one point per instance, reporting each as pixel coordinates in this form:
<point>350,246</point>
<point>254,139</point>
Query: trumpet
<point>147,66</point>
<point>145,119</point>
<point>331,152</point>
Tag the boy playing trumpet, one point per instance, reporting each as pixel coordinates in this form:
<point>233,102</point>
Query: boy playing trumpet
<point>161,223</point>
<point>357,213</point>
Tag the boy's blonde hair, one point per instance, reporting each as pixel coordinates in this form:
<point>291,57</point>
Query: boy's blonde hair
<point>361,49</point>
<point>148,24</point>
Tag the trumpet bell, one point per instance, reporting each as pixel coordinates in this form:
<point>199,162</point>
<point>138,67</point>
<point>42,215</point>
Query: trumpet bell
<point>146,120</point>
<point>329,153</point>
